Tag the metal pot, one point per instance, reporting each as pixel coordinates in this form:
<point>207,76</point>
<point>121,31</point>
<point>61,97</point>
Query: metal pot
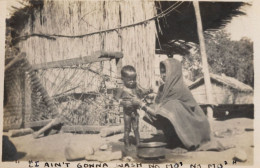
<point>151,150</point>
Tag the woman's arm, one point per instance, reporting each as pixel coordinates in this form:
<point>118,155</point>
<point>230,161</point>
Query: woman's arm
<point>159,95</point>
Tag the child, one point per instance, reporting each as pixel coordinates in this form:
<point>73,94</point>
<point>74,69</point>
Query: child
<point>129,97</point>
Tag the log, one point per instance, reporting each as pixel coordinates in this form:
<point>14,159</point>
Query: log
<point>20,132</point>
<point>40,123</point>
<point>113,130</point>
<point>82,129</point>
<point>96,57</point>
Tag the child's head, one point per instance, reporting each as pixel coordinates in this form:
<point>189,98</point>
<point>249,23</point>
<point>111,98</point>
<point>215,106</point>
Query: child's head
<point>128,74</point>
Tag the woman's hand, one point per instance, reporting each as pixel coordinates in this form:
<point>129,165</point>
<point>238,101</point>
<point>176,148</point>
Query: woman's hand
<point>149,99</point>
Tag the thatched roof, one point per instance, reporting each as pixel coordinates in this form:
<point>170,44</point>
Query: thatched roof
<point>223,80</point>
<point>181,23</point>
<point>20,17</point>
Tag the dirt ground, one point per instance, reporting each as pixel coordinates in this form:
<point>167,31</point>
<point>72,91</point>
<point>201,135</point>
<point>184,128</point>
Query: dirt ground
<point>238,132</point>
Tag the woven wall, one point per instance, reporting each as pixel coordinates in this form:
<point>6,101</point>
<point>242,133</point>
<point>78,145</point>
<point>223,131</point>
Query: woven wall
<point>72,18</point>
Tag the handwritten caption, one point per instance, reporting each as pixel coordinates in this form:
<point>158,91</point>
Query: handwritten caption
<point>38,164</point>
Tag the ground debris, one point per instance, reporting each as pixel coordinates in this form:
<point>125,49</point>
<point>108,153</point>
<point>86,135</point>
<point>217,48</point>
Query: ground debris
<point>75,151</point>
<point>227,132</point>
<point>240,156</point>
<point>104,156</point>
<point>179,151</point>
<point>104,147</point>
<point>128,159</point>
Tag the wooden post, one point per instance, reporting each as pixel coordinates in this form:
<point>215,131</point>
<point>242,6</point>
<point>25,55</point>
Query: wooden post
<point>204,59</point>
<point>22,84</point>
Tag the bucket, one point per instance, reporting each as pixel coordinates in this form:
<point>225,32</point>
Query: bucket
<point>151,150</point>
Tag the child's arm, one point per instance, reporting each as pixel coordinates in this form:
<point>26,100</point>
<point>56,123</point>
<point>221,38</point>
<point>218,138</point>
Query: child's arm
<point>123,99</point>
<point>143,91</point>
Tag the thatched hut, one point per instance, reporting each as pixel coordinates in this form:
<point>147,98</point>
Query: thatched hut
<point>226,90</point>
<point>53,33</point>
<point>74,18</point>
<point>67,30</point>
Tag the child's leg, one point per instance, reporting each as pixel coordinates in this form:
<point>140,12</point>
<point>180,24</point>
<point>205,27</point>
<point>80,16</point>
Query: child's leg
<point>127,124</point>
<point>135,124</point>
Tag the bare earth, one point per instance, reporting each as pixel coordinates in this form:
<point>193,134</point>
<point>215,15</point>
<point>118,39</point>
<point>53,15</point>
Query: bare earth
<point>237,132</point>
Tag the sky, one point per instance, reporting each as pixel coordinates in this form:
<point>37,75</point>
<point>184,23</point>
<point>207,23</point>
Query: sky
<point>242,26</point>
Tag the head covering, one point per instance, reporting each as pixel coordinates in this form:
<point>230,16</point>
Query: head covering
<point>174,87</point>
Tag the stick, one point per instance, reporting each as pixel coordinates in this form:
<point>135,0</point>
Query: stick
<point>51,124</point>
<point>20,132</point>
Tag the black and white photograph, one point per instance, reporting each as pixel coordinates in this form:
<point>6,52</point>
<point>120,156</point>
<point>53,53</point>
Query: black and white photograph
<point>131,83</point>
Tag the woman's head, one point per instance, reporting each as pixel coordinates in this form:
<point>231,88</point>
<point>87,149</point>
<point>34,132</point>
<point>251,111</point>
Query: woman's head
<point>163,71</point>
<point>171,74</point>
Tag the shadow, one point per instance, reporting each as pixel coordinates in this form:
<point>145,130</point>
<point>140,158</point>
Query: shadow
<point>170,150</point>
<point>131,140</point>
<point>19,155</point>
<point>229,111</point>
<point>169,133</point>
<point>9,151</point>
<point>155,138</point>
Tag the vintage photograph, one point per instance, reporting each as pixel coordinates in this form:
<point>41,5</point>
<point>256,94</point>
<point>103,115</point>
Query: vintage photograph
<point>128,82</point>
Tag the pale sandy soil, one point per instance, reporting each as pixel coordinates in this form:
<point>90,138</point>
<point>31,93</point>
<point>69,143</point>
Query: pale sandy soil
<point>232,132</point>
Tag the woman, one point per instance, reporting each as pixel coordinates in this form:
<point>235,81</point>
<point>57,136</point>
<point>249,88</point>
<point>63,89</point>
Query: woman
<point>177,113</point>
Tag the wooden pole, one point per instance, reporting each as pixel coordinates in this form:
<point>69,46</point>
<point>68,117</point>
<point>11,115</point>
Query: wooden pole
<point>22,84</point>
<point>95,57</point>
<point>204,59</point>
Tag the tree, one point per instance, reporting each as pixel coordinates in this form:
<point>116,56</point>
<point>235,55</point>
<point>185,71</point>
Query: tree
<point>232,58</point>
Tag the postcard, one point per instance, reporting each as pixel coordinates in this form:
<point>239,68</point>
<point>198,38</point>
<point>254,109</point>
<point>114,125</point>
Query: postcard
<point>156,84</point>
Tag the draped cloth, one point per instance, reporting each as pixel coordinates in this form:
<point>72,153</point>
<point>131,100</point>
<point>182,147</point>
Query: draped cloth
<point>177,112</point>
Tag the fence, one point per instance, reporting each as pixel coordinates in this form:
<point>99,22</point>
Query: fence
<point>79,89</point>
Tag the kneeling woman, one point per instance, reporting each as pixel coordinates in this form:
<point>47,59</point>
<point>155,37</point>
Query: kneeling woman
<point>177,113</point>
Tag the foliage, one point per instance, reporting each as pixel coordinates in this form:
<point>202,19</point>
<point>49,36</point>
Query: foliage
<point>232,58</point>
